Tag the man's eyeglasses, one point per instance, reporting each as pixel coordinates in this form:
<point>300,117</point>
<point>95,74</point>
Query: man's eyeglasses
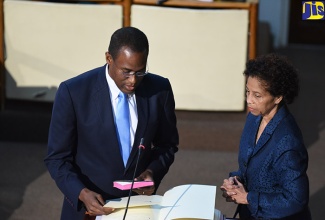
<point>137,74</point>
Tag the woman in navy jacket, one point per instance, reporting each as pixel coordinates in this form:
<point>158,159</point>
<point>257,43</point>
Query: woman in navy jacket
<point>271,182</point>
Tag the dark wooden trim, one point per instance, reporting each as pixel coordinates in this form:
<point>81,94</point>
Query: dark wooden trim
<point>196,4</point>
<point>253,17</point>
<point>127,13</point>
<point>2,69</point>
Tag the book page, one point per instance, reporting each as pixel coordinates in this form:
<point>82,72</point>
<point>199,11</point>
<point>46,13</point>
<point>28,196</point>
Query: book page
<point>182,202</point>
<point>140,208</point>
<point>140,200</point>
<point>134,213</point>
<point>188,202</point>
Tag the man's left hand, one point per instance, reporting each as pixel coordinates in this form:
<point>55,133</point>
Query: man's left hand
<point>147,175</point>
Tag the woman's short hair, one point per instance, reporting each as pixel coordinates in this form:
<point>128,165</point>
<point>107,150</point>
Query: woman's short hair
<point>277,75</point>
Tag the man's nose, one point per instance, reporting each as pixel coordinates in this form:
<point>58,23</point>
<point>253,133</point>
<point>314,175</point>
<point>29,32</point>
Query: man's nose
<point>132,78</point>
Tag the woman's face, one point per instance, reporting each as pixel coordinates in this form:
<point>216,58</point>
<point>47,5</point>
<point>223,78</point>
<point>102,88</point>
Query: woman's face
<point>259,100</point>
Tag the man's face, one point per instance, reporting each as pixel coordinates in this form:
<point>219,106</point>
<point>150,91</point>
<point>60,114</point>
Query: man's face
<point>126,62</point>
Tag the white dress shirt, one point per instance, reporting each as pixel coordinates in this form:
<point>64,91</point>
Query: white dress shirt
<point>114,92</point>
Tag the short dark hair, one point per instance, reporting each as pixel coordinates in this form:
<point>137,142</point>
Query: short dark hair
<point>277,74</point>
<point>130,37</point>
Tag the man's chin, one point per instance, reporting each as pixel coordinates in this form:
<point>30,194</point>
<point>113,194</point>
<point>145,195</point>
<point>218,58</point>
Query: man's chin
<point>129,89</point>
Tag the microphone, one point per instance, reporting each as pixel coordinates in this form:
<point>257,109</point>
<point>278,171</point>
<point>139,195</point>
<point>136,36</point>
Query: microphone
<point>141,147</point>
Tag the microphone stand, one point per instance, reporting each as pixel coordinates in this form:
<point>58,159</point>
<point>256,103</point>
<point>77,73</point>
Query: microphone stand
<point>135,170</point>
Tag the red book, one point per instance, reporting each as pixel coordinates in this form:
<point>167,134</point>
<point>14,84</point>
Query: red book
<point>126,184</point>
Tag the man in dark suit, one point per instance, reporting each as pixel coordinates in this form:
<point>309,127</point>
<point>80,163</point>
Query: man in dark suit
<point>85,150</point>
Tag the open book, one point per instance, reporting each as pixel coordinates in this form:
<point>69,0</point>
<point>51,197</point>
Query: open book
<point>181,202</point>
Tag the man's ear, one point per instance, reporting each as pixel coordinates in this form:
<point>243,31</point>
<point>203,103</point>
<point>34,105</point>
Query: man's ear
<point>108,58</point>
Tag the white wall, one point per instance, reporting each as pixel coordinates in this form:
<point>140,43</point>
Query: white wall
<point>47,43</point>
<point>202,52</point>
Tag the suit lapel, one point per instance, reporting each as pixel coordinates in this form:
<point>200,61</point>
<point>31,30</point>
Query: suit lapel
<point>252,138</point>
<point>269,129</point>
<point>103,99</point>
<point>265,136</point>
<point>105,111</point>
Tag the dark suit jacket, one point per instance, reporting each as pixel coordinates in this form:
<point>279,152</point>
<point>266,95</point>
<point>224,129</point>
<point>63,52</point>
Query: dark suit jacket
<point>83,149</point>
<point>274,170</point>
